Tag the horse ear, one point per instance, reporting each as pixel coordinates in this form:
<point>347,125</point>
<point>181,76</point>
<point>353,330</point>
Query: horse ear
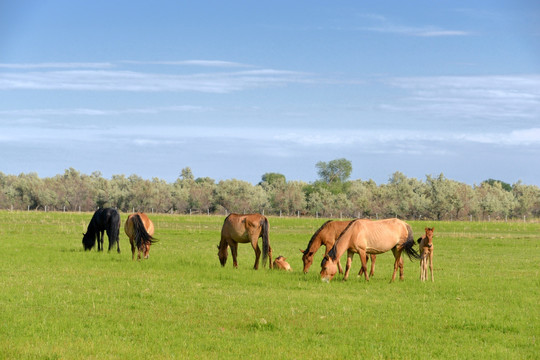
<point>302,251</point>
<point>426,229</point>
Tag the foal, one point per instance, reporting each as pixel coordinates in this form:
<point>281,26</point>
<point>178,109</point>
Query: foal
<point>426,253</point>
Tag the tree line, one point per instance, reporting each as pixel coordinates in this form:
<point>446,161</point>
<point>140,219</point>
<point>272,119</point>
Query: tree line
<point>333,195</point>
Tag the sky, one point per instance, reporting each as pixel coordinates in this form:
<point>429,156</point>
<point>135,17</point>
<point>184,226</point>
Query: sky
<point>236,89</point>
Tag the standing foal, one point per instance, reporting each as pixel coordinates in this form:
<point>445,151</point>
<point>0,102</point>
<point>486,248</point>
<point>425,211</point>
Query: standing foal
<point>426,253</point>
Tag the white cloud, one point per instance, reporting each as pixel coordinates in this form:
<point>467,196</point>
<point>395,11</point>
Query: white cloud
<point>102,80</point>
<point>469,97</point>
<point>384,25</point>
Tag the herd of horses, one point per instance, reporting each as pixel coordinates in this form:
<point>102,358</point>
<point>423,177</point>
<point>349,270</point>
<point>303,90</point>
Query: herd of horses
<point>138,227</point>
<point>367,238</point>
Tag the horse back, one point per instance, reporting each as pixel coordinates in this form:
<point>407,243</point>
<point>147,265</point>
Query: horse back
<point>381,235</point>
<point>241,228</point>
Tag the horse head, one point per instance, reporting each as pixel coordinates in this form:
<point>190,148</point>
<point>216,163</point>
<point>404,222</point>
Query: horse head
<point>88,241</point>
<point>223,253</point>
<point>307,259</point>
<point>328,268</point>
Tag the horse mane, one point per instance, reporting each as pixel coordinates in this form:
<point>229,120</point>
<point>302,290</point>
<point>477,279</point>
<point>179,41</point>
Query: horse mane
<point>315,236</point>
<point>332,254</point>
<point>89,238</point>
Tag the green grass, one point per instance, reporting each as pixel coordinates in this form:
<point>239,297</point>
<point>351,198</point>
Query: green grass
<point>59,302</point>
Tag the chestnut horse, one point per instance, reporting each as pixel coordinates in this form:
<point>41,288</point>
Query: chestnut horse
<point>280,263</point>
<point>103,220</point>
<point>140,230</point>
<point>326,235</point>
<point>426,253</point>
<point>370,237</point>
<point>245,229</point>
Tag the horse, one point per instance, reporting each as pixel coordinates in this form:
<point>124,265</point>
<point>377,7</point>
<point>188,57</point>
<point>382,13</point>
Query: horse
<point>370,237</point>
<point>426,253</point>
<point>281,263</point>
<point>103,220</point>
<point>140,230</point>
<point>326,235</point>
<point>245,229</point>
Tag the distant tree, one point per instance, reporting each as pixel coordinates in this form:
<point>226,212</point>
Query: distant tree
<point>504,186</point>
<point>187,174</point>
<point>273,179</point>
<point>334,171</point>
<point>201,194</point>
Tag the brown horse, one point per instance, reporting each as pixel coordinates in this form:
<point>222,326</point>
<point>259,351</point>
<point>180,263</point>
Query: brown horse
<point>140,230</point>
<point>326,235</point>
<point>426,253</point>
<point>245,229</point>
<point>281,263</point>
<point>370,237</point>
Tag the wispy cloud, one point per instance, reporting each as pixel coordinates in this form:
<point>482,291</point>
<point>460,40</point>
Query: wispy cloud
<point>57,65</point>
<point>99,112</point>
<point>384,25</point>
<point>142,81</point>
<point>459,97</point>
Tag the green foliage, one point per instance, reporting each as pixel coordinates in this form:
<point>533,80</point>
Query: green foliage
<point>337,170</point>
<point>435,198</point>
<point>60,302</point>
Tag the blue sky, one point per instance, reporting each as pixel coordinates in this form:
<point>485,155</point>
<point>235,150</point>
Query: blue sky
<point>236,89</point>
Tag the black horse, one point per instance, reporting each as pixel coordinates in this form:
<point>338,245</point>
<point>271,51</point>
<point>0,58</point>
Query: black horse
<point>103,220</point>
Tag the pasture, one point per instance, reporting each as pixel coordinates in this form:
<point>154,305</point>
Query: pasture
<point>59,302</point>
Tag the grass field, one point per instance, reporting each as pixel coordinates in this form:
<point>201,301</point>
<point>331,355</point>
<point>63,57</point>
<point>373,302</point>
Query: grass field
<point>59,302</point>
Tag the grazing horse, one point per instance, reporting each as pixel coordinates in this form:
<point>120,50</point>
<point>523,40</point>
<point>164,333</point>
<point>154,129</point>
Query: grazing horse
<point>140,230</point>
<point>370,237</point>
<point>280,263</point>
<point>103,220</point>
<point>245,229</point>
<point>326,235</point>
<point>426,253</point>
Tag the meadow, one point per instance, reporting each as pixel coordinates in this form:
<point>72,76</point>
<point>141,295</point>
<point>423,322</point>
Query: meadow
<point>60,302</point>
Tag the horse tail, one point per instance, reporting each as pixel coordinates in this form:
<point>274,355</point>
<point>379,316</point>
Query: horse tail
<point>408,245</point>
<point>266,241</point>
<point>114,229</point>
<point>141,235</point>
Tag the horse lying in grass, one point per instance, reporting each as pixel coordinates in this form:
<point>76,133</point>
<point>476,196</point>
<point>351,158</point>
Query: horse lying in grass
<point>280,263</point>
<point>370,237</point>
<point>140,230</point>
<point>103,220</point>
<point>326,235</point>
<point>245,229</point>
<point>426,253</point>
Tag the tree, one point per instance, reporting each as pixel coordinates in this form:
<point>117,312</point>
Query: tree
<point>335,171</point>
<point>273,179</point>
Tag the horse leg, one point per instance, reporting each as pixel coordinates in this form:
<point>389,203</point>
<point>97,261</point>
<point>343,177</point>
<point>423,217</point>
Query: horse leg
<point>132,249</point>
<point>339,266</point>
<point>361,269</point>
<point>99,240</point>
<point>118,241</point>
<point>401,268</point>
<point>397,257</point>
<point>431,264</point>
<point>234,252</point>
<point>350,255</point>
<point>372,271</point>
<point>363,258</point>
<point>255,246</point>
